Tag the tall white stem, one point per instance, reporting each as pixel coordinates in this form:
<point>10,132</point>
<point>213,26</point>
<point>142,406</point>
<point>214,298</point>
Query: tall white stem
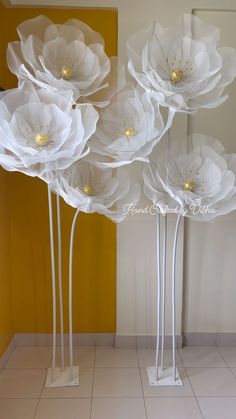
<point>54,323</point>
<point>174,295</point>
<point>158,276</point>
<point>70,292</point>
<point>163,292</point>
<point>60,283</point>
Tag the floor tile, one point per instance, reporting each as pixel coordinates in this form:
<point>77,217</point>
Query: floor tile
<point>84,356</point>
<point>201,356</point>
<point>212,381</point>
<point>21,383</point>
<point>149,391</point>
<point>118,408</point>
<point>175,407</point>
<point>83,390</point>
<point>229,354</point>
<point>30,357</point>
<point>218,408</point>
<point>147,357</point>
<point>17,408</point>
<point>113,357</point>
<point>64,409</point>
<point>117,382</point>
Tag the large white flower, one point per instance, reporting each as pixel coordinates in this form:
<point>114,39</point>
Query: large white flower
<point>128,128</point>
<point>61,57</point>
<point>182,66</point>
<point>40,131</point>
<point>200,182</point>
<point>91,189</point>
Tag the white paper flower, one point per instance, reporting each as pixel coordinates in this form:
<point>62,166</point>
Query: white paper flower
<point>92,189</point>
<point>201,182</point>
<point>128,129</point>
<point>41,132</point>
<point>61,57</point>
<point>182,66</point>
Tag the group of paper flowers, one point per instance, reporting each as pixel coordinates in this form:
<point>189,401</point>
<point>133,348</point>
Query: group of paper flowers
<point>75,119</point>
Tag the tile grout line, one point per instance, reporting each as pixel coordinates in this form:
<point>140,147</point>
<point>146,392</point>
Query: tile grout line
<point>140,375</point>
<point>195,396</point>
<point>222,356</point>
<point>186,372</point>
<point>227,365</point>
<point>94,364</point>
<point>39,399</point>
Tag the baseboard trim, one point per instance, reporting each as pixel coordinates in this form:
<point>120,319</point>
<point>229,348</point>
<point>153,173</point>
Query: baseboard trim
<point>144,342</point>
<point>118,341</point>
<point>5,357</point>
<point>79,339</point>
<point>209,339</point>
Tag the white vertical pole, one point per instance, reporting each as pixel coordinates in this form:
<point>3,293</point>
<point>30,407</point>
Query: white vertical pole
<point>54,324</point>
<point>60,283</point>
<point>70,293</point>
<point>158,273</point>
<point>163,292</point>
<point>174,295</point>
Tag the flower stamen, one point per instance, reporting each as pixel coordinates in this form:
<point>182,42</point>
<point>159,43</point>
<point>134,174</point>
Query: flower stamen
<point>130,132</point>
<point>88,190</point>
<point>66,72</point>
<point>176,75</point>
<point>189,185</point>
<point>41,139</point>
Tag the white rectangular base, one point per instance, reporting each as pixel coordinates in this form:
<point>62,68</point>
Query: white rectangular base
<point>165,377</point>
<point>62,378</point>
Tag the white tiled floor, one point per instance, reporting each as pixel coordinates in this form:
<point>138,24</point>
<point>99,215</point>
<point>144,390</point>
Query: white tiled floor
<point>114,385</point>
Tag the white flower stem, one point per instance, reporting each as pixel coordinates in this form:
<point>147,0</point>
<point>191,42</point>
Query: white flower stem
<point>60,283</point>
<point>158,273</point>
<point>70,293</point>
<point>174,294</point>
<point>163,291</point>
<point>54,325</point>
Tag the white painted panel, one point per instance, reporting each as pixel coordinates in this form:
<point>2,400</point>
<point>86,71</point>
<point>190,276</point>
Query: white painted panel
<point>210,290</point>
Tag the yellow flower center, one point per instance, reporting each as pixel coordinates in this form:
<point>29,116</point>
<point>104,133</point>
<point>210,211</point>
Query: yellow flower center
<point>66,72</point>
<point>176,75</point>
<point>88,190</point>
<point>41,139</point>
<point>189,185</point>
<point>130,132</point>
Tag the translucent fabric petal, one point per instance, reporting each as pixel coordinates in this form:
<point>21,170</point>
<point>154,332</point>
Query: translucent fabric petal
<point>198,178</point>
<point>182,66</point>
<point>43,132</point>
<point>65,57</point>
<point>91,189</point>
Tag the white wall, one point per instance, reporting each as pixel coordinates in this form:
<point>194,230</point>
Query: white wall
<point>209,262</point>
<point>210,282</point>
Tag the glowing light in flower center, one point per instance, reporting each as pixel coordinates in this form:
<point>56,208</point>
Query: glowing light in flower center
<point>41,139</point>
<point>66,72</point>
<point>88,190</point>
<point>130,132</point>
<point>176,75</point>
<point>189,185</point>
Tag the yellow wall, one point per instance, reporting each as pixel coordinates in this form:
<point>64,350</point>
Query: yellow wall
<point>6,320</point>
<point>95,241</point>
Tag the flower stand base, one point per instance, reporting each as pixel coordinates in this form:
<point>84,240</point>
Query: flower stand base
<point>62,378</point>
<point>165,377</point>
